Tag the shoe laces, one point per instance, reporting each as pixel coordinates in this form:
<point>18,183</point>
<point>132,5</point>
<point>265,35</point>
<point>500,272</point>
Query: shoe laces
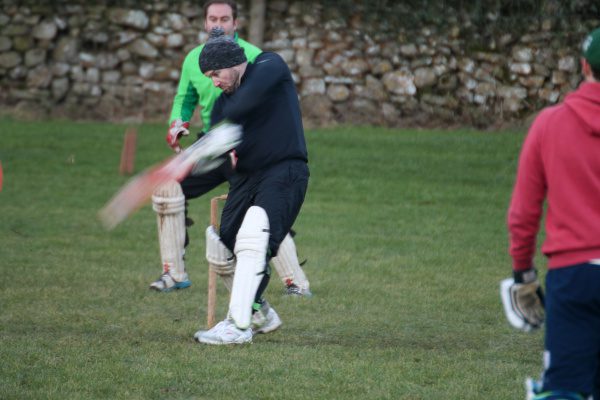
<point>167,278</point>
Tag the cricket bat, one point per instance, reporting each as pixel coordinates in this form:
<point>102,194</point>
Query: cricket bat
<point>201,157</point>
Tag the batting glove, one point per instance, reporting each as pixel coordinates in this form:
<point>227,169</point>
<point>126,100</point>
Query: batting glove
<point>233,158</point>
<point>177,129</point>
<point>523,300</point>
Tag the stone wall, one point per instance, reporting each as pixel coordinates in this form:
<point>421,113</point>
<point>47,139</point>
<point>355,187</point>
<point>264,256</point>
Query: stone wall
<point>120,61</point>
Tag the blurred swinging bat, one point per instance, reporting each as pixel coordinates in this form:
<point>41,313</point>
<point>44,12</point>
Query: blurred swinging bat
<point>202,156</point>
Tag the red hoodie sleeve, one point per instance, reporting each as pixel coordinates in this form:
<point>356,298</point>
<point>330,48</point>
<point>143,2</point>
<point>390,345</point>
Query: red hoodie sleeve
<point>528,197</point>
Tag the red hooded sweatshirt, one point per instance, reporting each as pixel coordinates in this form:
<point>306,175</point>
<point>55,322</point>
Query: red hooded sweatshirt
<point>560,162</point>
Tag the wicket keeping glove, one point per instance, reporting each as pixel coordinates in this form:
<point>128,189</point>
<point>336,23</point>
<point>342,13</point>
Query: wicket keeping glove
<point>177,129</point>
<point>523,300</point>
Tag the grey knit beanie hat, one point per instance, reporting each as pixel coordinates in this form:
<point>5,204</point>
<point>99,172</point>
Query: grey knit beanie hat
<point>220,52</point>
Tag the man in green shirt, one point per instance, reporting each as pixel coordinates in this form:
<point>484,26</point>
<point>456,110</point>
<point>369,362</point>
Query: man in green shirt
<point>196,89</point>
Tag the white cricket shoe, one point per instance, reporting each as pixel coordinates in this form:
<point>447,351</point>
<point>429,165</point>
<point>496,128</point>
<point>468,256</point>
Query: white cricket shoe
<point>166,283</point>
<point>225,332</point>
<point>201,332</point>
<point>265,320</point>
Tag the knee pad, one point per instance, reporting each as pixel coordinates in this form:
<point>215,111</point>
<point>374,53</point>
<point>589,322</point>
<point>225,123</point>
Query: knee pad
<point>253,235</point>
<point>169,203</point>
<point>220,258</point>
<point>250,250</point>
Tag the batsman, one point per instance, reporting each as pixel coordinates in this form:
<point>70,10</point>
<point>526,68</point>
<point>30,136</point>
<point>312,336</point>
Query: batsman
<point>170,201</point>
<point>269,174</point>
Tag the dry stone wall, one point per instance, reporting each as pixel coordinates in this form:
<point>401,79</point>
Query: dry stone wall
<point>120,61</point>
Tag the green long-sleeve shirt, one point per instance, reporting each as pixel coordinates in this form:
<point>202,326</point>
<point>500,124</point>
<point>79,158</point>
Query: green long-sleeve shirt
<point>196,89</point>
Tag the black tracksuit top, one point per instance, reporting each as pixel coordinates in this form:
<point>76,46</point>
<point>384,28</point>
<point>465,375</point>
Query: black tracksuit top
<point>266,105</point>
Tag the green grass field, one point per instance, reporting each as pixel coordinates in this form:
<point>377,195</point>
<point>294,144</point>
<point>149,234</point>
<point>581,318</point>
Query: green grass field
<point>406,242</point>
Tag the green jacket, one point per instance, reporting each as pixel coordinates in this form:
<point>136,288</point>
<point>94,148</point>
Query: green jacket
<point>196,89</point>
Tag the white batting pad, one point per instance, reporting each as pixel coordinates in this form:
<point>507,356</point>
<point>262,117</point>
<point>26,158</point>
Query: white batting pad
<point>217,254</point>
<point>227,281</point>
<point>219,258</point>
<point>169,203</point>
<point>513,315</point>
<point>287,266</point>
<point>251,252</point>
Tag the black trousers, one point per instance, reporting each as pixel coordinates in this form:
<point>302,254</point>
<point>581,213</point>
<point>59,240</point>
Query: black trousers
<point>279,190</point>
<point>194,186</point>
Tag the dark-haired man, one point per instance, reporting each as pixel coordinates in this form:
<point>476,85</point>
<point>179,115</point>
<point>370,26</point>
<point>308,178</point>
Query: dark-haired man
<point>560,164</point>
<point>270,174</point>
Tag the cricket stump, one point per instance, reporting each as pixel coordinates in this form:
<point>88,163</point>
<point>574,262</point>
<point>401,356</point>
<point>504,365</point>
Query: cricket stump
<point>128,152</point>
<point>212,275</point>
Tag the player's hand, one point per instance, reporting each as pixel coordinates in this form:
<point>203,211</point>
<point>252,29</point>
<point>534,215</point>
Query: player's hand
<point>523,300</point>
<point>529,297</point>
<point>233,159</point>
<point>177,129</point>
